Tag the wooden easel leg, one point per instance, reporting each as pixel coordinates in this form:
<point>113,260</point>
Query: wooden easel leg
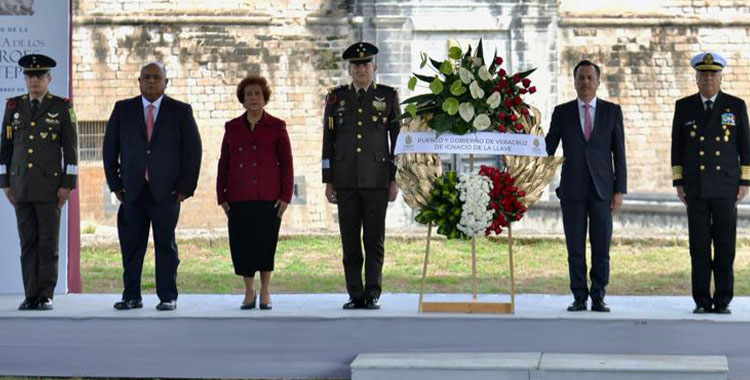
<point>424,267</point>
<point>512,275</point>
<point>474,267</point>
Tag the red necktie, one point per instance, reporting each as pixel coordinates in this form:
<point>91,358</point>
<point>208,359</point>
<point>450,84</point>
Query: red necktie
<point>587,127</point>
<point>149,127</point>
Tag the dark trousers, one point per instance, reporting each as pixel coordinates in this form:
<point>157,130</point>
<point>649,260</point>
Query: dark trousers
<point>710,220</point>
<point>594,213</point>
<point>134,219</point>
<point>362,211</point>
<point>38,230</point>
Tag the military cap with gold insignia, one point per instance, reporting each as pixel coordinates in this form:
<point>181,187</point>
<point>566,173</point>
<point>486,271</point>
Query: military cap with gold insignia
<point>36,63</point>
<point>360,52</point>
<point>708,61</point>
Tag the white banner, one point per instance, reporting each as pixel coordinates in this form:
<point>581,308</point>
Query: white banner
<point>28,26</point>
<point>511,144</point>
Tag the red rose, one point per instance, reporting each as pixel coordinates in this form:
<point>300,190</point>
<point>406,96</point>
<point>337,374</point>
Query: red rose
<point>501,73</point>
<point>500,128</point>
<point>532,89</point>
<point>516,78</point>
<point>501,115</point>
<point>513,118</point>
<point>526,82</point>
<point>521,193</point>
<point>522,91</point>
<point>508,103</point>
<point>524,111</point>
<point>517,101</point>
<point>498,60</point>
<point>519,126</point>
<point>503,83</point>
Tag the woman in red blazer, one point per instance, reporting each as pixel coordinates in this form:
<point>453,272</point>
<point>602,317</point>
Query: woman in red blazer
<point>254,186</point>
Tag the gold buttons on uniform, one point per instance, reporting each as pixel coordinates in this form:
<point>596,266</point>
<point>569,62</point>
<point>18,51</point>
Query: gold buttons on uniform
<point>718,167</point>
<point>726,139</point>
<point>33,123</point>
<point>703,138</point>
<point>359,123</point>
<point>718,153</point>
<point>692,133</point>
<point>701,153</point>
<point>359,150</point>
<point>718,138</point>
<point>30,151</point>
<point>30,165</point>
<point>359,110</point>
<point>55,174</point>
<point>695,126</point>
<point>359,136</point>
<point>724,127</point>
<point>702,167</point>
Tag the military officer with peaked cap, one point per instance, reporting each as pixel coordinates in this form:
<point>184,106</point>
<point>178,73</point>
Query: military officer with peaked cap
<point>359,136</point>
<point>38,169</point>
<point>711,171</point>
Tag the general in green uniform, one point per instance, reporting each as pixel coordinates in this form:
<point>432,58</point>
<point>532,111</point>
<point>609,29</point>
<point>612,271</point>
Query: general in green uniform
<point>359,135</point>
<point>38,169</point>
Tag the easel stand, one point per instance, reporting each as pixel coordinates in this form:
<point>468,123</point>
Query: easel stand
<point>473,306</point>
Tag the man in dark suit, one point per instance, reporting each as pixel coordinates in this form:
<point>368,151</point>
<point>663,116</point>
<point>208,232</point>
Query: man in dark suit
<point>592,182</point>
<point>359,136</point>
<point>38,170</point>
<point>152,158</point>
<point>711,171</point>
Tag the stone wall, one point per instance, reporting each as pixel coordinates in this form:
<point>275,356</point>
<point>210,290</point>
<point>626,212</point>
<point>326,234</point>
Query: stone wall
<point>644,48</point>
<point>207,47</point>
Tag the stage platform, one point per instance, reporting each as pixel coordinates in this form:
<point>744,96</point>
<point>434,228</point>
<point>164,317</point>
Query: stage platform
<point>310,336</point>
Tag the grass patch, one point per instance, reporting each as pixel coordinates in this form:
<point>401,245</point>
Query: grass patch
<point>312,264</point>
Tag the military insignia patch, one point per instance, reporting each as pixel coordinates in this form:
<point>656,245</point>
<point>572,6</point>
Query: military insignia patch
<point>43,135</point>
<point>53,115</point>
<point>52,121</point>
<point>727,118</point>
<point>11,104</point>
<point>379,103</point>
<point>331,98</point>
<point>689,123</point>
<point>54,136</point>
<point>72,115</point>
<point>16,115</point>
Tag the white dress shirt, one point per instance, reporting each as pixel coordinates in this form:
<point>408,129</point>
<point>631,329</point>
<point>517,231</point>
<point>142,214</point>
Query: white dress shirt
<point>156,104</point>
<point>582,115</point>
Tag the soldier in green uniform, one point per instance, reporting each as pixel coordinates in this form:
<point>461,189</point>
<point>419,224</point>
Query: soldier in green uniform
<point>359,136</point>
<point>711,171</point>
<point>38,169</point>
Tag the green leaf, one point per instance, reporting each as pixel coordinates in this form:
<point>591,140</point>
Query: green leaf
<point>446,68</point>
<point>527,73</point>
<point>421,99</point>
<point>457,88</point>
<point>480,50</point>
<point>436,86</point>
<point>424,78</point>
<point>424,60</point>
<point>454,52</point>
<point>411,109</point>
<point>412,83</point>
<point>450,106</point>
<point>436,64</point>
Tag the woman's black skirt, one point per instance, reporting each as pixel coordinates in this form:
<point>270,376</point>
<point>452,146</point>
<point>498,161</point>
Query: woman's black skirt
<point>253,233</point>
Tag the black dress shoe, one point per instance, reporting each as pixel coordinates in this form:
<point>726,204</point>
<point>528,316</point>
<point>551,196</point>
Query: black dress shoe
<point>166,305</point>
<point>354,304</point>
<point>44,303</point>
<point>372,304</point>
<point>577,306</point>
<point>265,306</point>
<point>251,305</point>
<point>28,304</point>
<point>599,306</point>
<point>701,309</point>
<point>722,310</point>
<point>128,304</point>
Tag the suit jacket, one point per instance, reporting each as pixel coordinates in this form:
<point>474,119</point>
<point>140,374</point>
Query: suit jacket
<point>710,158</point>
<point>359,137</point>
<point>38,155</point>
<point>255,165</point>
<point>602,158</point>
<point>173,156</point>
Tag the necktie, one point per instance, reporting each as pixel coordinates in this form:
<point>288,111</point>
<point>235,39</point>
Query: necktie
<point>149,121</point>
<point>149,128</point>
<point>587,127</point>
<point>709,108</point>
<point>360,95</point>
<point>34,107</point>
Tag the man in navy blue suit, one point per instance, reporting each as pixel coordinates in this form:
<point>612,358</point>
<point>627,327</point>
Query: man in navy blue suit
<point>152,158</point>
<point>592,182</point>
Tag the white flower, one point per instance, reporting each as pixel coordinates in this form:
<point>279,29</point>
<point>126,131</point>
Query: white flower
<point>494,100</point>
<point>476,91</point>
<point>414,124</point>
<point>466,110</point>
<point>484,74</point>
<point>481,122</point>
<point>474,191</point>
<point>476,61</point>
<point>466,75</point>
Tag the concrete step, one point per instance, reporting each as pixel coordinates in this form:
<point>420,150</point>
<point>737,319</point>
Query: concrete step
<point>438,366</point>
<point>536,366</point>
